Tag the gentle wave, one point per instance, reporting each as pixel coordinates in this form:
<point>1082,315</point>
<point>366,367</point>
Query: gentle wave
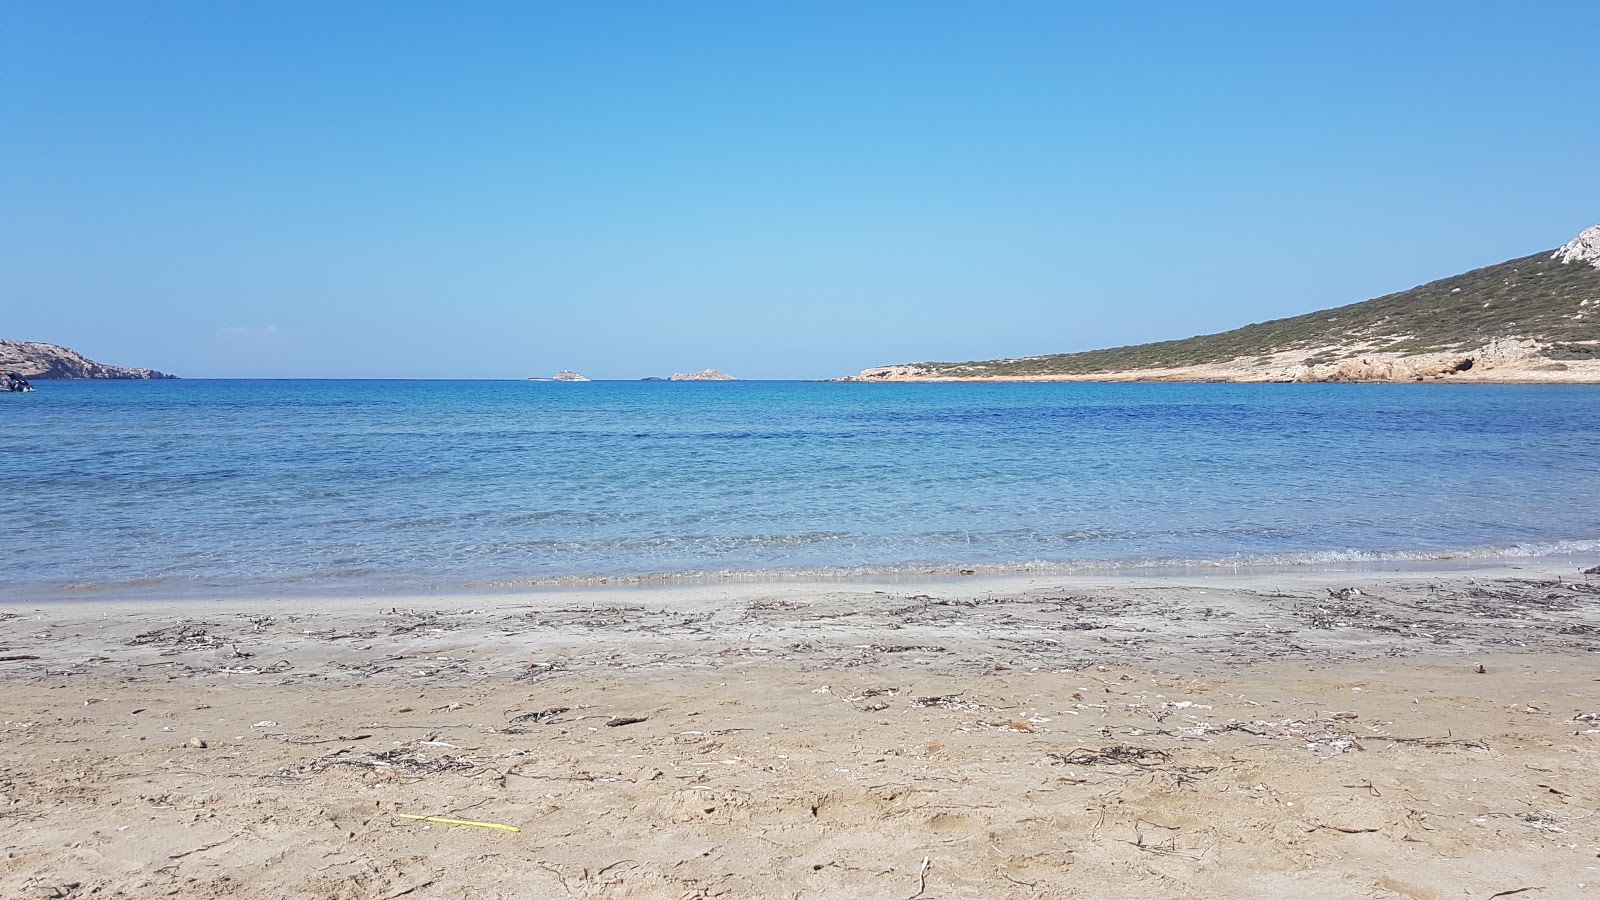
<point>1579,551</point>
<point>350,582</point>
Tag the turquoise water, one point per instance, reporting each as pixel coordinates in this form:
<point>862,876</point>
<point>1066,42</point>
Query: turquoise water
<point>259,487</point>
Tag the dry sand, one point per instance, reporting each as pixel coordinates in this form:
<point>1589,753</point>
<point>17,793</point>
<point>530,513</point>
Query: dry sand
<point>1307,735</point>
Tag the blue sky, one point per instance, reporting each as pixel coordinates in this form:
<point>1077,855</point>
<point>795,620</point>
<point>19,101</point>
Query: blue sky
<point>502,190</point>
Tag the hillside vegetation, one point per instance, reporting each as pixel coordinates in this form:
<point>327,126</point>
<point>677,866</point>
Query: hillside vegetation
<point>1535,298</point>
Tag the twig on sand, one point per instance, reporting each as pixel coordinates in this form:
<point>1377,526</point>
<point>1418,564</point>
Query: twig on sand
<point>203,847</point>
<point>289,739</point>
<point>922,877</point>
<point>408,890</point>
<point>1445,741</point>
<point>1515,891</point>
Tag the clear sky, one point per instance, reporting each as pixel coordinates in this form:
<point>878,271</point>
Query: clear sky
<point>499,190</point>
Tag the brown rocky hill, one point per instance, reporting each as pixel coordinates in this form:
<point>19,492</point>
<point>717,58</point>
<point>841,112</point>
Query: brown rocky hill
<point>34,360</point>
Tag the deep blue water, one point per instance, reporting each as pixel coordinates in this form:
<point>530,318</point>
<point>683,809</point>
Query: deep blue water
<point>250,487</point>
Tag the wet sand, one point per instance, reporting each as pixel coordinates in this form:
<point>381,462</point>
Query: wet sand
<point>1309,734</point>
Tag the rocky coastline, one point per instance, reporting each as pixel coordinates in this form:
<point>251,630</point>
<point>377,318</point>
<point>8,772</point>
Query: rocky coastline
<point>1531,320</point>
<point>705,375</point>
<point>33,360</point>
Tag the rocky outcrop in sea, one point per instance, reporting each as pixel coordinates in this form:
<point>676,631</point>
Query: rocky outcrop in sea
<point>706,375</point>
<point>29,359</point>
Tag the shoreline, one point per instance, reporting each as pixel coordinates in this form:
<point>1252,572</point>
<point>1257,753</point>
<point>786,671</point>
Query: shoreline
<point>1323,733</point>
<point>999,576</point>
<point>1590,375</point>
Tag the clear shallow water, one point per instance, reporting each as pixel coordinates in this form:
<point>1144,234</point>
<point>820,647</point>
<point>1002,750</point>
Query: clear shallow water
<point>253,487</point>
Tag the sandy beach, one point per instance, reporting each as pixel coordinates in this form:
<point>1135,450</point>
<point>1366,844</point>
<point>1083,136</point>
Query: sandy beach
<point>1308,734</point>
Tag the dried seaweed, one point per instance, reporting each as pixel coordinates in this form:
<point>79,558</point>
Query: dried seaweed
<point>1114,755</point>
<point>177,637</point>
<point>542,717</point>
<point>535,671</point>
<point>409,761</point>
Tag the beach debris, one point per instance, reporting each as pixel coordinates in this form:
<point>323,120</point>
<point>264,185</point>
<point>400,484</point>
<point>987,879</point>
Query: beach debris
<point>619,721</point>
<point>1007,725</point>
<point>946,701</point>
<point>536,670</point>
<point>195,743</point>
<point>204,847</point>
<point>1592,570</point>
<point>429,620</point>
<point>922,877</point>
<point>900,648</point>
<point>444,821</point>
<point>1116,754</point>
<point>873,692</point>
<point>409,761</point>
<point>16,658</point>
<point>265,723</point>
<point>291,739</point>
<point>1169,847</point>
<point>542,717</point>
<point>282,665</point>
<point>779,605</point>
<point>177,637</point>
<point>1514,891</point>
<point>1481,670</point>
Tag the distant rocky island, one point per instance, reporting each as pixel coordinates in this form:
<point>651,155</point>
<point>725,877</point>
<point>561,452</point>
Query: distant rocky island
<point>706,375</point>
<point>29,359</point>
<point>1533,319</point>
<point>563,375</point>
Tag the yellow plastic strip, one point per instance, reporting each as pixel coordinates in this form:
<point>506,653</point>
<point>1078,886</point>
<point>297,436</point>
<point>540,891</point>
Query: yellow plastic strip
<point>443,821</point>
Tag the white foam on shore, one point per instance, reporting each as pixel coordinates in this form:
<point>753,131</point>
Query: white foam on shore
<point>1575,553</point>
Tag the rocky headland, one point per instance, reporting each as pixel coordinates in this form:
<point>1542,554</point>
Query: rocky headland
<point>30,359</point>
<point>1533,319</point>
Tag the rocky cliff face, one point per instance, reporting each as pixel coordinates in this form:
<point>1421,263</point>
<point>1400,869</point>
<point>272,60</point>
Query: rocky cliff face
<point>35,360</point>
<point>707,375</point>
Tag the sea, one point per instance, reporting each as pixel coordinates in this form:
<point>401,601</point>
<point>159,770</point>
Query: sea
<point>221,488</point>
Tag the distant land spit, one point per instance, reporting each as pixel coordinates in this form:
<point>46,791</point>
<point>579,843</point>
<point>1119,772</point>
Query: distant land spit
<point>1534,319</point>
